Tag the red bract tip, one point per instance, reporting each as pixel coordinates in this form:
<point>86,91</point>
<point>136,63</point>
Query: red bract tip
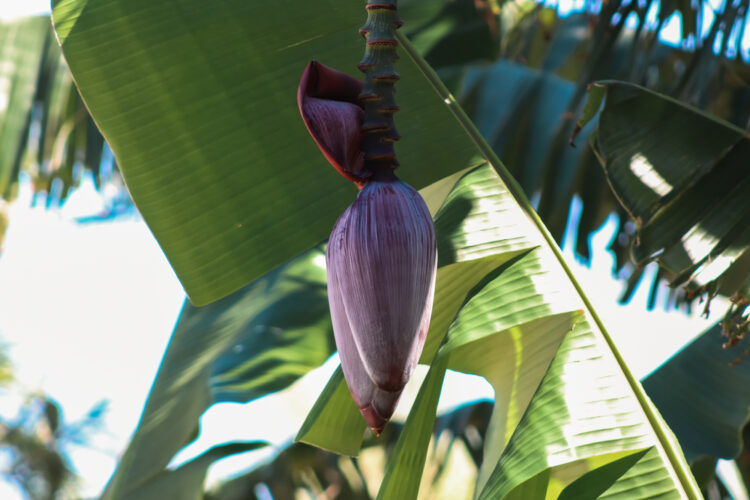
<point>329,103</point>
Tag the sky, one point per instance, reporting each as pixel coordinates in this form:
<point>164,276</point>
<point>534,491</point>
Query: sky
<point>14,9</point>
<point>87,311</point>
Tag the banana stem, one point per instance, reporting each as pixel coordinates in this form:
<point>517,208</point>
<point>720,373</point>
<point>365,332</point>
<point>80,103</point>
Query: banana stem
<point>379,132</point>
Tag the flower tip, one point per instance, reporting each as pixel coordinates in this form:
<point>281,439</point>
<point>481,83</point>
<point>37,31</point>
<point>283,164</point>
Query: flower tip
<point>374,420</point>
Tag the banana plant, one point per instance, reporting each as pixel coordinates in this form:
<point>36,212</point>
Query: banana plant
<point>197,102</point>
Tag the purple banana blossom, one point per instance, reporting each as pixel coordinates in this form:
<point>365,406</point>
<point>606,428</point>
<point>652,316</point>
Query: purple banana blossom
<point>381,262</point>
<point>381,257</point>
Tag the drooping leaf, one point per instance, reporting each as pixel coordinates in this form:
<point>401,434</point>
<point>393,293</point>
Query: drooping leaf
<point>681,175</point>
<point>704,399</point>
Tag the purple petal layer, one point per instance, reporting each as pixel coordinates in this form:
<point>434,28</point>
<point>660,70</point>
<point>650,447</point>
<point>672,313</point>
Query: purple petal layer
<point>329,103</point>
<point>382,261</point>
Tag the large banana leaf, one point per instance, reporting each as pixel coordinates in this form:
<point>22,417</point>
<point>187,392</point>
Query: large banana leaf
<point>703,397</point>
<point>197,101</point>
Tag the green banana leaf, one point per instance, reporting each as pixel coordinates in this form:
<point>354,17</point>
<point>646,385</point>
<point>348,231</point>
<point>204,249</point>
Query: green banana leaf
<point>197,101</point>
<point>682,176</point>
<point>703,397</point>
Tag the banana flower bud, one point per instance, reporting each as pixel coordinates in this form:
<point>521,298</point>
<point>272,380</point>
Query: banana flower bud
<point>381,262</point>
<point>381,258</point>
